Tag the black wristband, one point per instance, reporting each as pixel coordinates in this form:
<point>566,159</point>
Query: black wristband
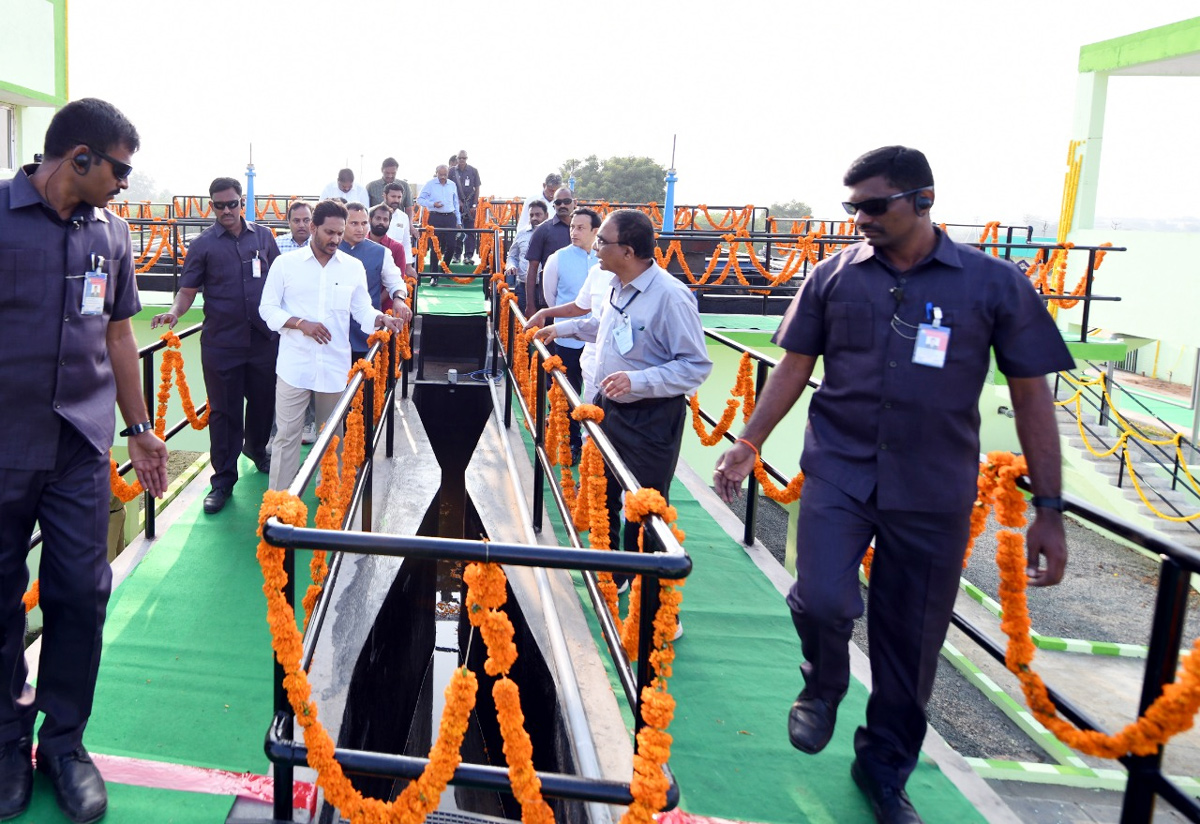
<point>1047,503</point>
<point>137,429</point>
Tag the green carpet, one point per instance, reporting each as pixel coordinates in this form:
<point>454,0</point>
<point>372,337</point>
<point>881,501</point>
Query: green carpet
<point>186,674</point>
<point>450,298</point>
<point>134,805</point>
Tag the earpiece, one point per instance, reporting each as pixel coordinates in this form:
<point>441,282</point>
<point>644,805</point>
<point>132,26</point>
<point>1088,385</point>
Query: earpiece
<point>922,203</point>
<point>83,162</point>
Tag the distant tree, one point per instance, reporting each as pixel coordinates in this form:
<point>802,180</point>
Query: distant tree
<point>617,180</point>
<point>793,208</point>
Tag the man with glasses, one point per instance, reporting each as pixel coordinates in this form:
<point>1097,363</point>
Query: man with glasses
<point>547,239</point>
<point>906,324</point>
<point>68,358</point>
<point>650,355</point>
<point>467,178</point>
<point>229,261</point>
<point>440,197</point>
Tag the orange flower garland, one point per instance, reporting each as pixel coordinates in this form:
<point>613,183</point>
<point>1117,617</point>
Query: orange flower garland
<point>30,599</point>
<point>421,796</point>
<point>486,593</point>
<point>743,389</point>
<point>172,361</point>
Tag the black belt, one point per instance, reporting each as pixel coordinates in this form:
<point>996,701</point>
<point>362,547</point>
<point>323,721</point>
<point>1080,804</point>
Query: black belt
<point>643,403</point>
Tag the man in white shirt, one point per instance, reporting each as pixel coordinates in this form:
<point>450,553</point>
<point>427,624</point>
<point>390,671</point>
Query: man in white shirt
<point>400,229</point>
<point>549,187</point>
<point>346,189</point>
<point>305,300</point>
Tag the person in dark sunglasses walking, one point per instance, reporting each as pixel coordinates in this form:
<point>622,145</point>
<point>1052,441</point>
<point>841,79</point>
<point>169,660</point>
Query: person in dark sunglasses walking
<point>906,324</point>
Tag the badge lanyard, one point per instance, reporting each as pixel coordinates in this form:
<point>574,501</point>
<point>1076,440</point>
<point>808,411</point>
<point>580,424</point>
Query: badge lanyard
<point>931,341</point>
<point>622,329</point>
<point>95,287</point>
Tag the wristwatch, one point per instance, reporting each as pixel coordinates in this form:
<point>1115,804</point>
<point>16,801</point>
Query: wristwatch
<point>1047,503</point>
<point>137,429</point>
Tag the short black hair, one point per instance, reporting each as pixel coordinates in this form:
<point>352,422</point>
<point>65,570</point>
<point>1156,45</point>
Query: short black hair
<point>327,209</point>
<point>220,184</point>
<point>539,204</point>
<point>93,122</point>
<point>346,174</point>
<point>393,187</point>
<point>553,179</point>
<point>634,230</point>
<point>388,161</point>
<point>296,204</point>
<point>903,168</point>
<point>355,206</point>
<point>583,210</point>
<point>380,207</point>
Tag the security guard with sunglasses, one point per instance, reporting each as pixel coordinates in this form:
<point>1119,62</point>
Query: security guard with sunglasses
<point>68,357</point>
<point>906,324</point>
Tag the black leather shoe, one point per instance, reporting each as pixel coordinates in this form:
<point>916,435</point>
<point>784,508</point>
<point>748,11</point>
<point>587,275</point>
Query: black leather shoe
<point>16,777</point>
<point>810,723</point>
<point>78,787</point>
<point>262,463</point>
<point>890,804</point>
<point>214,501</point>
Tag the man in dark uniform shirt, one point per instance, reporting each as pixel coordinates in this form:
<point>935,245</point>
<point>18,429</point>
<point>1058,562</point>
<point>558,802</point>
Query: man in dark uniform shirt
<point>552,235</point>
<point>229,261</point>
<point>467,178</point>
<point>906,323</point>
<point>67,352</point>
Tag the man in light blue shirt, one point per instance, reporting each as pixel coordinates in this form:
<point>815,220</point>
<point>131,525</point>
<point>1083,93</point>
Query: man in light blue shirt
<point>299,218</point>
<point>440,197</point>
<point>564,275</point>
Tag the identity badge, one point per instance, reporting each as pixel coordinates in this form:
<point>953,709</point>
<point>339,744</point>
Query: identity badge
<point>623,334</point>
<point>95,287</point>
<point>256,266</point>
<point>931,345</point>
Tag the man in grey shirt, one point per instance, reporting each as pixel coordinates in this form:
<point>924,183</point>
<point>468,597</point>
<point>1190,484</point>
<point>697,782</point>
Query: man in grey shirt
<point>650,355</point>
<point>518,266</point>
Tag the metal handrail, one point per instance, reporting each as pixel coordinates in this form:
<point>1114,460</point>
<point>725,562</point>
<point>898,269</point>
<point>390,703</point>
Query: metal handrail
<point>1147,781</point>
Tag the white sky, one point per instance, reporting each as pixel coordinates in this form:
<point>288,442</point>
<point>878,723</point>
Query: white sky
<point>770,100</point>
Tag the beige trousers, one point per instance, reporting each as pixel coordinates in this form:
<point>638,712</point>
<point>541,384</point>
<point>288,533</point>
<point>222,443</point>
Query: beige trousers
<point>290,406</point>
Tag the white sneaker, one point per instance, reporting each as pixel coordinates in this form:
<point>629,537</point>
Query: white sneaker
<point>309,435</point>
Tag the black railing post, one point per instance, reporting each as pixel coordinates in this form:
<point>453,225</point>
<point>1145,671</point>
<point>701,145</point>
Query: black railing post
<point>284,771</point>
<point>390,412</point>
<point>539,436</point>
<point>1162,658</point>
<point>509,361</point>
<point>1087,293</point>
<point>751,527</point>
<point>368,465</point>
<point>148,394</point>
<point>649,609</point>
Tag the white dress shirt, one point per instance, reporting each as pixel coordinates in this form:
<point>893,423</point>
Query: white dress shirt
<point>523,220</point>
<point>299,286</point>
<point>357,193</point>
<point>594,298</point>
<point>400,231</point>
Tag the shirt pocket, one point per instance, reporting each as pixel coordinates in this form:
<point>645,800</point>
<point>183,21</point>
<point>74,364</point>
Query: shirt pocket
<point>22,279</point>
<point>851,326</point>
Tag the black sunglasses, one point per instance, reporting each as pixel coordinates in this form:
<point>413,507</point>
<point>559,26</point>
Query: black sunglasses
<point>222,205</point>
<point>121,171</point>
<point>875,206</point>
<point>564,201</point>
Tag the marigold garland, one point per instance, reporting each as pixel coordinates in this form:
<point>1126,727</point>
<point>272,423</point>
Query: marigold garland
<point>30,599</point>
<point>743,395</point>
<point>172,361</point>
<point>421,796</point>
<point>1171,713</point>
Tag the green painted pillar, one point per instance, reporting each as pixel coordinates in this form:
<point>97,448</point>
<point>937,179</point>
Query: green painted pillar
<point>1091,95</point>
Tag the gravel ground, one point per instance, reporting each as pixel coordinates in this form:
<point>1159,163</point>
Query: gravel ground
<point>1107,595</point>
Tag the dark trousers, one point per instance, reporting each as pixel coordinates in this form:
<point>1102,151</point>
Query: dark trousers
<point>70,503</point>
<point>647,435</point>
<point>241,393</point>
<point>444,225</point>
<point>914,582</point>
<point>470,240</point>
<point>570,358</point>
